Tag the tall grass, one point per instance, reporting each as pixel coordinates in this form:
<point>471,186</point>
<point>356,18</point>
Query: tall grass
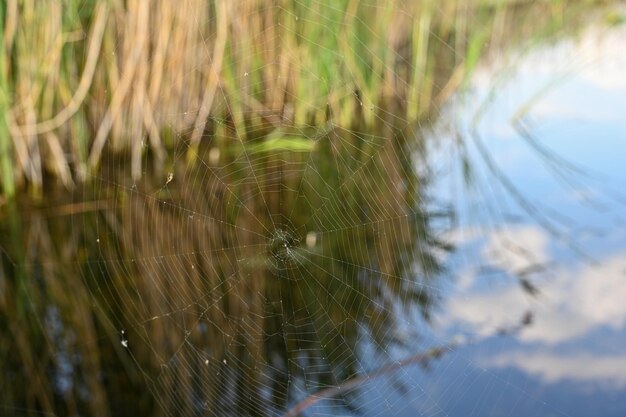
<point>80,78</point>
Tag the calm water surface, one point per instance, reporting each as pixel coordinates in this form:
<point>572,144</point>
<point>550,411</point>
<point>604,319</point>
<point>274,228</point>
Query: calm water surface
<point>544,207</point>
<point>324,272</point>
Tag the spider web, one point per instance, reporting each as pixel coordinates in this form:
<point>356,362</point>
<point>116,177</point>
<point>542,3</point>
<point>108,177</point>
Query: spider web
<point>253,278</point>
<point>267,273</point>
<point>281,269</point>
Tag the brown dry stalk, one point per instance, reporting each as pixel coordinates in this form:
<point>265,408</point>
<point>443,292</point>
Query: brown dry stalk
<point>355,382</point>
<point>164,18</point>
<point>153,132</point>
<point>10,26</point>
<point>212,81</point>
<point>120,93</point>
<point>61,166</point>
<point>83,86</point>
<point>138,104</point>
<point>423,358</point>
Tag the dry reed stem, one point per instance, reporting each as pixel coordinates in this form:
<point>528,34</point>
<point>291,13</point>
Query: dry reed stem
<point>455,80</point>
<point>213,77</point>
<point>32,144</point>
<point>138,102</point>
<point>347,386</point>
<point>164,14</point>
<point>420,40</point>
<point>160,71</point>
<point>128,75</point>
<point>10,25</point>
<point>61,166</point>
<point>93,52</point>
<point>153,133</point>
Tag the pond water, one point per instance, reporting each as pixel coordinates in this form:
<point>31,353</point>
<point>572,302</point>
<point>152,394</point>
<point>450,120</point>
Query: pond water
<point>540,238</point>
<point>474,267</point>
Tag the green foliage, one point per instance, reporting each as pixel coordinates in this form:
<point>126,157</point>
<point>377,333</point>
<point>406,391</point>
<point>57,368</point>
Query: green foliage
<point>280,144</point>
<point>81,79</point>
<point>6,151</point>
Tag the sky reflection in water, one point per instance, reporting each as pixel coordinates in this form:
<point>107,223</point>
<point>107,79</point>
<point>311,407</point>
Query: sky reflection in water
<point>569,361</point>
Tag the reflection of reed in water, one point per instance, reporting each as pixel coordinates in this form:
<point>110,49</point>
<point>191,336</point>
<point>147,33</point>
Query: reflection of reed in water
<point>229,284</point>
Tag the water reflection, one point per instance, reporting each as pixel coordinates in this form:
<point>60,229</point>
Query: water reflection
<point>555,135</point>
<point>217,289</point>
<point>274,270</point>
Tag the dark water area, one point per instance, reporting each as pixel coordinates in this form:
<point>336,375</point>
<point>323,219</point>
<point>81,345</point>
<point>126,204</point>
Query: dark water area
<point>217,289</point>
<point>473,266</point>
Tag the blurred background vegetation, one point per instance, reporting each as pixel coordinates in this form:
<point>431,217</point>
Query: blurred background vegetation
<point>82,79</point>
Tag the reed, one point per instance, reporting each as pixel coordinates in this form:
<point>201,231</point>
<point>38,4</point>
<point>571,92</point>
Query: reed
<point>81,79</point>
<point>198,286</point>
